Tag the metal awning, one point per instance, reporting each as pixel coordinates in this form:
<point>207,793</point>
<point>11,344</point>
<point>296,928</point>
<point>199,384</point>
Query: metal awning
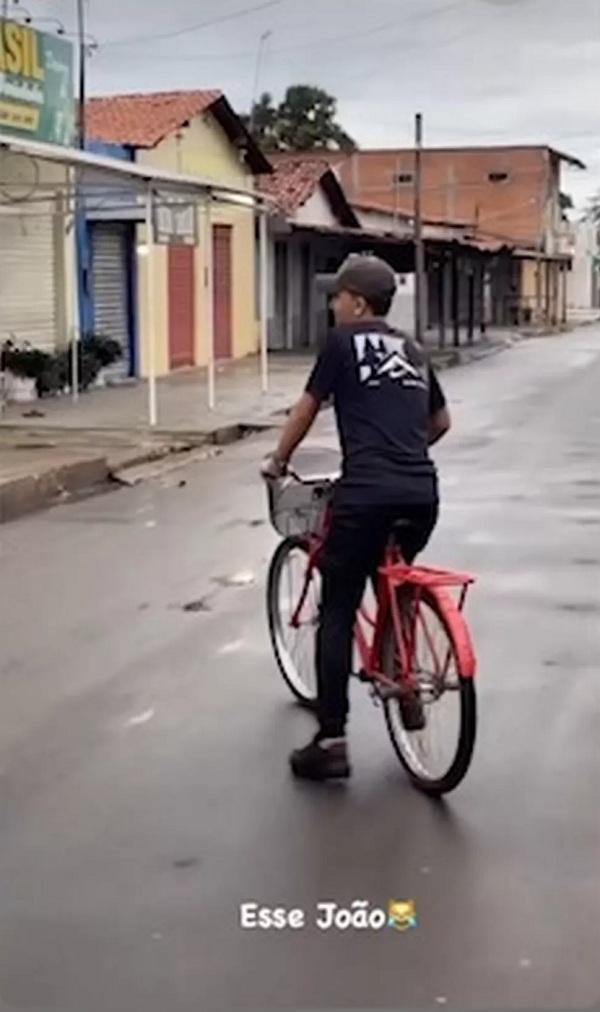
<point>95,168</point>
<point>532,254</point>
<point>353,233</point>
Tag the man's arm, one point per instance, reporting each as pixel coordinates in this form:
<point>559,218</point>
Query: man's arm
<point>320,386</point>
<point>438,425</point>
<point>439,416</point>
<point>298,424</point>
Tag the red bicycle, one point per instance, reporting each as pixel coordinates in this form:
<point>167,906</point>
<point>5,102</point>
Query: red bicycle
<point>412,643</point>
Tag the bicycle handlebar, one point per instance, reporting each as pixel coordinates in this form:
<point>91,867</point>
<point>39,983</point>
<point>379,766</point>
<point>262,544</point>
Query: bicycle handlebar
<point>291,473</point>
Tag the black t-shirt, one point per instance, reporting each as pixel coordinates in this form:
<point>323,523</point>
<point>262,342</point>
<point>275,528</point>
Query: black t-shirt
<point>384,392</point>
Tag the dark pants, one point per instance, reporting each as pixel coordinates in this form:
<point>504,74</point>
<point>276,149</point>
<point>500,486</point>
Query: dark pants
<point>353,550</point>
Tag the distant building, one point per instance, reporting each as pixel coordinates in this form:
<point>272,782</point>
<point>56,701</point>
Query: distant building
<point>194,133</point>
<point>313,226</point>
<point>506,195</point>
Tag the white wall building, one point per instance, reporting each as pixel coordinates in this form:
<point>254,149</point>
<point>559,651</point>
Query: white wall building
<point>583,291</point>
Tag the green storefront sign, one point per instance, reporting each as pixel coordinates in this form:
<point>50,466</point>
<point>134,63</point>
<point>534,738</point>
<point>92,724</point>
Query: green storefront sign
<point>36,84</point>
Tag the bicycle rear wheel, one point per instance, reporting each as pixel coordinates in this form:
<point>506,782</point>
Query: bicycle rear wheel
<point>294,646</point>
<point>437,756</point>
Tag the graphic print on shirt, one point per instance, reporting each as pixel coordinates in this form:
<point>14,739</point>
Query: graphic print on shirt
<point>383,356</point>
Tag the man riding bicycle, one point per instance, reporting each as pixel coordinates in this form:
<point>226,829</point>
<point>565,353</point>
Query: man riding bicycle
<point>389,409</point>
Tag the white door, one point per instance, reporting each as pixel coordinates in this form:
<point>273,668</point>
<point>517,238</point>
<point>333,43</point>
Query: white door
<point>27,278</point>
<point>110,290</point>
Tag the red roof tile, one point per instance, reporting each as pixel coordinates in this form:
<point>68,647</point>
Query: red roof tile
<point>294,181</point>
<point>143,120</point>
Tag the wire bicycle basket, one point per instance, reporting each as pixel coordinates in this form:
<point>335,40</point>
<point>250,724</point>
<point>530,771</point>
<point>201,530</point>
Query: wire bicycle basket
<point>298,508</point>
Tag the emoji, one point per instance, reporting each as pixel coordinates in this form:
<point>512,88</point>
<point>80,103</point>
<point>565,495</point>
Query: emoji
<point>402,914</point>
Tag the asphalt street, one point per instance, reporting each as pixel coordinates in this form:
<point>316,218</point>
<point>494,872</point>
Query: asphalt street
<point>144,734</point>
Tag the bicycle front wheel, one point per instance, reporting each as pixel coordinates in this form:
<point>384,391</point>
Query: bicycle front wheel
<point>293,606</point>
<point>432,723</point>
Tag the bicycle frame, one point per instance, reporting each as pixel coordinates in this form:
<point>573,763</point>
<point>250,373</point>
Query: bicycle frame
<point>369,630</point>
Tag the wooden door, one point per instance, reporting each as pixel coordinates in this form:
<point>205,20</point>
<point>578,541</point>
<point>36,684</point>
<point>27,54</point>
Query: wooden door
<point>222,290</point>
<point>181,306</point>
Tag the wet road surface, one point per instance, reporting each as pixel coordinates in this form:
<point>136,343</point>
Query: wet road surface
<point>144,785</point>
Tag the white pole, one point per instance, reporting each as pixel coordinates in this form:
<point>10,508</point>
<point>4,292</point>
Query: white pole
<point>75,350</point>
<point>209,314</point>
<point>261,45</point>
<point>151,315</point>
<point>75,297</point>
<point>264,301</point>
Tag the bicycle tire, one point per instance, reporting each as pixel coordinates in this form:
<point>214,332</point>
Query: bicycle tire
<point>284,661</point>
<point>441,605</point>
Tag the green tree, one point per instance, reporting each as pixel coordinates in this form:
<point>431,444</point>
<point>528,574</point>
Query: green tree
<point>306,120</point>
<point>262,122</point>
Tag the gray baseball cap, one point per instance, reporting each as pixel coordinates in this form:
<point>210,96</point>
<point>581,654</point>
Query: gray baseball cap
<point>364,275</point>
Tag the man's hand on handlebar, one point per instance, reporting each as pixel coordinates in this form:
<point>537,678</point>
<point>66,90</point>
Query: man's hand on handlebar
<point>273,467</point>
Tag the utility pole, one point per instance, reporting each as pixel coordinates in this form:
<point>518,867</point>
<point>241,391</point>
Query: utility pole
<point>419,246</point>
<point>82,82</point>
<point>259,58</point>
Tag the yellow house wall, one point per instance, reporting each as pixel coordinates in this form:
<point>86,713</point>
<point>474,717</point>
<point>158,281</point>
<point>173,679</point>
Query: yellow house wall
<point>529,269</point>
<point>201,149</point>
<point>551,287</point>
<point>152,270</point>
<point>528,282</point>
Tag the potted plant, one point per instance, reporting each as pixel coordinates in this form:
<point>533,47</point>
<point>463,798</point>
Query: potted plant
<point>106,350</point>
<point>23,369</point>
<point>32,373</point>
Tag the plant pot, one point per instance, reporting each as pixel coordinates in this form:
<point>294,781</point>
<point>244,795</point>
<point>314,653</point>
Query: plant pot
<point>20,389</point>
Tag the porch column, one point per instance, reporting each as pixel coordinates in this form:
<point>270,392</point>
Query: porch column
<point>209,313</point>
<point>441,300</point>
<point>290,293</point>
<point>310,268</point>
<point>73,183</point>
<point>565,288</point>
<point>151,307</point>
<point>482,305</point>
<point>555,269</point>
<point>538,291</point>
<point>264,301</point>
<point>471,307</point>
<point>455,299</point>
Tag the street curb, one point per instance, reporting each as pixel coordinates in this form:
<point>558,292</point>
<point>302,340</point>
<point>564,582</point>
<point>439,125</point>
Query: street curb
<point>37,491</point>
<point>453,357</point>
<point>54,485</point>
<point>187,443</point>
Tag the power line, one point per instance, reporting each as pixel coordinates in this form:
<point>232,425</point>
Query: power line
<point>162,36</point>
<point>241,54</point>
<point>266,4</point>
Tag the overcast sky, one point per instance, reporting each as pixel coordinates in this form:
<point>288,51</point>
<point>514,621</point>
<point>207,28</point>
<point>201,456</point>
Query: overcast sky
<point>481,71</point>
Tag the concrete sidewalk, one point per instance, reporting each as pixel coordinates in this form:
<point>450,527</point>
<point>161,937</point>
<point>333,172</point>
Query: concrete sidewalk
<point>55,447</point>
<point>182,400</point>
<point>183,396</point>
